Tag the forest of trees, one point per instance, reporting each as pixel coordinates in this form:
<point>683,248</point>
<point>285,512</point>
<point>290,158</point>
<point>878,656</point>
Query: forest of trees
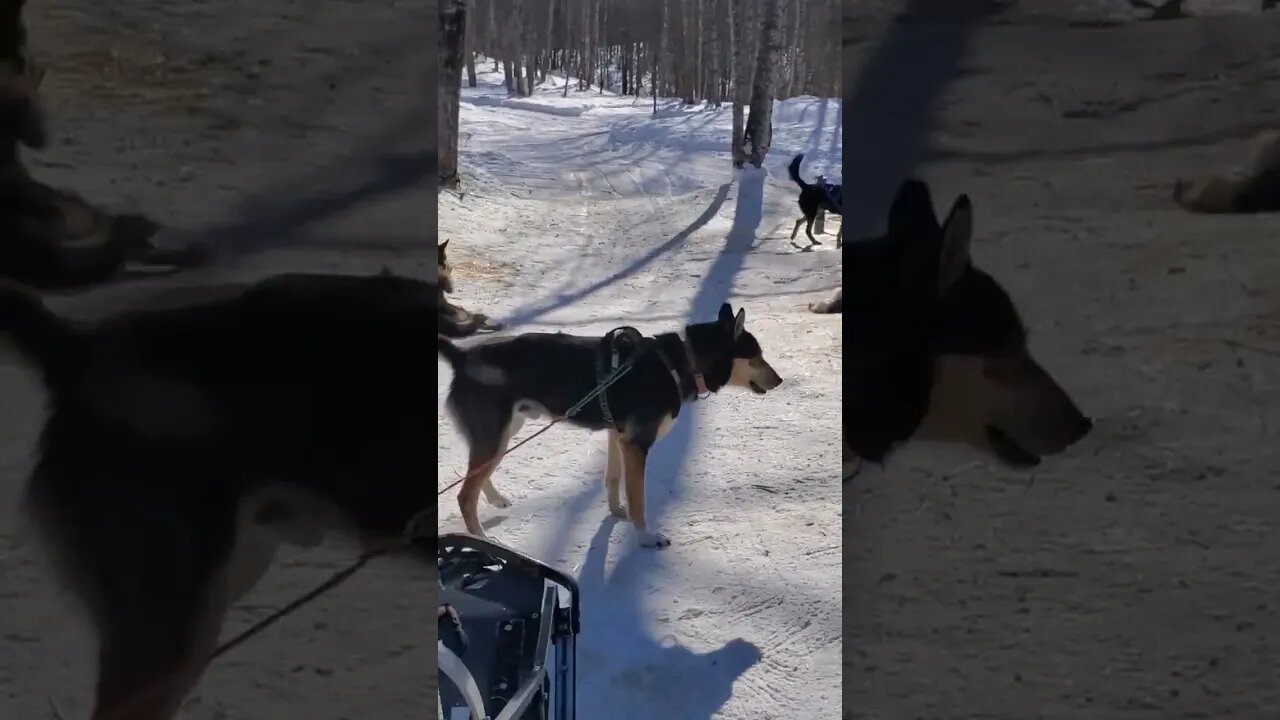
<point>745,52</point>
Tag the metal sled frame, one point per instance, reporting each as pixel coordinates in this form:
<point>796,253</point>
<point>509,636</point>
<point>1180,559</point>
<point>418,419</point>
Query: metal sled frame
<point>546,689</point>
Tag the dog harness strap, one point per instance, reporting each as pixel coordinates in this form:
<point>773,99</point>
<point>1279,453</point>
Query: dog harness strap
<point>602,371</point>
<point>699,383</point>
<point>675,375</point>
<point>611,349</point>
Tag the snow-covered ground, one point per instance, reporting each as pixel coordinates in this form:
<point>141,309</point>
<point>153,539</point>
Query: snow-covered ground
<point>583,213</point>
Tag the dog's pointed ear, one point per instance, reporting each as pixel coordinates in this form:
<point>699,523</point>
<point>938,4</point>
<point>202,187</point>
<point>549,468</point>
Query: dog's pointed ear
<point>442,246</point>
<point>957,234</point>
<point>739,323</point>
<point>912,211</point>
<point>726,314</point>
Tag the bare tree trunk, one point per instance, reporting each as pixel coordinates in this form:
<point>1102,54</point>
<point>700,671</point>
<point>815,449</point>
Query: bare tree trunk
<point>759,133</point>
<point>469,52</point>
<point>589,45</point>
<point>495,40</point>
<point>568,27</point>
<point>737,80</point>
<point>515,47</point>
<point>689,76</point>
<point>453,29</point>
<point>793,75</point>
<point>550,39</point>
<point>653,76</point>
<point>660,52</point>
<point>699,72</point>
<point>606,51</point>
<point>596,41</point>
<point>712,84</point>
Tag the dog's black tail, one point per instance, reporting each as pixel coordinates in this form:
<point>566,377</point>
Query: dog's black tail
<point>478,371</point>
<point>794,170</point>
<point>40,335</point>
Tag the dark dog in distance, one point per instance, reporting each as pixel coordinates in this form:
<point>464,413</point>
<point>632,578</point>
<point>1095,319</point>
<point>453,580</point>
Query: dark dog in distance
<point>497,385</point>
<point>54,239</point>
<point>815,198</point>
<point>936,350</point>
<point>184,445</point>
<point>456,321</point>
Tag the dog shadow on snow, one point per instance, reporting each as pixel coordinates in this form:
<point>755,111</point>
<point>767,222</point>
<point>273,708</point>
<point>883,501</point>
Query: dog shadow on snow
<point>657,677</point>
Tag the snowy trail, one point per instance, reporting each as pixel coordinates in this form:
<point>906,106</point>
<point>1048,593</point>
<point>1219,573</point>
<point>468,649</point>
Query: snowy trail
<point>585,213</point>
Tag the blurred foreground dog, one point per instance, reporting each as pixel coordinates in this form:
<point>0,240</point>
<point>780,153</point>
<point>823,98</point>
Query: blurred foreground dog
<point>184,445</point>
<point>935,349</point>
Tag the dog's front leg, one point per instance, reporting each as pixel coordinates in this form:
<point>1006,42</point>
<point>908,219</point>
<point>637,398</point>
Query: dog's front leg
<point>634,456</point>
<point>613,474</point>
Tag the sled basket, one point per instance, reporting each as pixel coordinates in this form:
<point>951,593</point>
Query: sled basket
<point>508,627</point>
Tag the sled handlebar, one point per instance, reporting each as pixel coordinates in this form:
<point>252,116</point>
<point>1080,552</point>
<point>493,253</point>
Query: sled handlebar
<point>519,559</point>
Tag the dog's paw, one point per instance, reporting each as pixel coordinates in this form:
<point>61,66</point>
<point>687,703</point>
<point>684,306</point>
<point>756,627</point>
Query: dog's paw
<point>619,512</point>
<point>653,540</point>
<point>498,500</point>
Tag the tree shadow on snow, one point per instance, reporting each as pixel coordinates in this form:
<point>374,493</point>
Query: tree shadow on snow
<point>529,313</point>
<point>892,100</point>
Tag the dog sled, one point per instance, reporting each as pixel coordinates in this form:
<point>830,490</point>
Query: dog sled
<point>508,627</point>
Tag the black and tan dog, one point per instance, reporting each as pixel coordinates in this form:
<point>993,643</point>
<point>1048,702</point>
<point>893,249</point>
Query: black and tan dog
<point>497,385</point>
<point>53,238</point>
<point>183,445</point>
<point>938,351</point>
<point>815,198</point>
<point>456,321</point>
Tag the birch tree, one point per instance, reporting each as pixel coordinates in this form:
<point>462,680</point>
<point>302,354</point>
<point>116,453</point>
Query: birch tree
<point>453,24</point>
<point>759,133</point>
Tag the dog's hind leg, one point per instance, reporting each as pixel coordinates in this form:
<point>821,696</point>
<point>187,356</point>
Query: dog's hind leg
<point>153,654</point>
<point>147,668</point>
<point>613,474</point>
<point>808,230</point>
<point>480,465</point>
<point>796,229</point>
<point>148,664</point>
<point>491,493</point>
<point>483,460</point>
<point>145,538</point>
<point>635,454</point>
